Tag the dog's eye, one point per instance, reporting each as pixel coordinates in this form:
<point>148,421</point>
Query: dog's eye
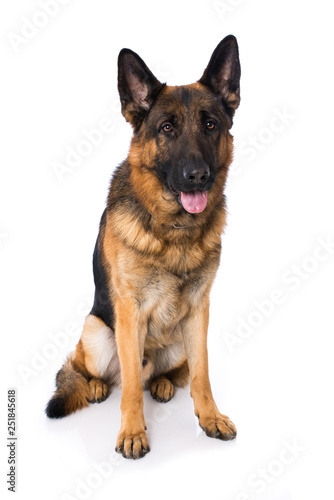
<point>210,125</point>
<point>167,127</point>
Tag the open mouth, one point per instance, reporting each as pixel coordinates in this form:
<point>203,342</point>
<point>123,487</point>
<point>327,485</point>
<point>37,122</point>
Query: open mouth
<point>194,201</point>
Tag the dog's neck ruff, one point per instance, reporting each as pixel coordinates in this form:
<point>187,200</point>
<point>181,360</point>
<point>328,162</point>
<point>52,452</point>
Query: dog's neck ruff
<point>171,225</point>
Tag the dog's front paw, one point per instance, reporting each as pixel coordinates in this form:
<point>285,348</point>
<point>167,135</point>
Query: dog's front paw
<point>218,426</point>
<point>132,445</point>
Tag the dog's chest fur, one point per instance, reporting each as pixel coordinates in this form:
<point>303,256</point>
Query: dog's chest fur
<point>166,300</point>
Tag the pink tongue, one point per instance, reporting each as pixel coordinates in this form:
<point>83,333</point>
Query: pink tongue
<point>194,201</point>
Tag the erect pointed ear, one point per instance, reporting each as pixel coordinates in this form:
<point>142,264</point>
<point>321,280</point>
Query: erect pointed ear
<point>222,74</point>
<point>137,86</point>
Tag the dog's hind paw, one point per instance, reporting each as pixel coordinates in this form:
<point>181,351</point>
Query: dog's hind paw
<point>99,391</point>
<point>162,390</point>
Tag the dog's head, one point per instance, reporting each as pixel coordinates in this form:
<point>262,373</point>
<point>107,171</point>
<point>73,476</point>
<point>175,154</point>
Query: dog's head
<point>182,133</point>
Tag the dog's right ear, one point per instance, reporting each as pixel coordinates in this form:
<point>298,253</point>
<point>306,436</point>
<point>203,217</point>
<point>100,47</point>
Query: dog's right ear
<point>137,87</point>
<point>222,74</point>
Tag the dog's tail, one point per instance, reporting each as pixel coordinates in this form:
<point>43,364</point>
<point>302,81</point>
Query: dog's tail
<point>72,392</point>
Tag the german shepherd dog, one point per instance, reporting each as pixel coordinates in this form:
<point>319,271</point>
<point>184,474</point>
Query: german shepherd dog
<point>158,251</point>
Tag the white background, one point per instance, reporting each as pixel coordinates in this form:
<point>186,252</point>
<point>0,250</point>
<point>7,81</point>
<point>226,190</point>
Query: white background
<point>275,384</point>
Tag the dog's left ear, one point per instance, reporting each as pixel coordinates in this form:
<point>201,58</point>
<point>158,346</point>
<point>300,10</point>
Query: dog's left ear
<point>137,87</point>
<point>222,74</point>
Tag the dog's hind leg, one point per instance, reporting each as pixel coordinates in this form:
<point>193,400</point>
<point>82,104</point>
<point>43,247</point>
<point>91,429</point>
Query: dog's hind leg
<point>88,373</point>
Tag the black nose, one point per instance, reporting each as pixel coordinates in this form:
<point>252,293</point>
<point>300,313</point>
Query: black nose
<point>196,174</point>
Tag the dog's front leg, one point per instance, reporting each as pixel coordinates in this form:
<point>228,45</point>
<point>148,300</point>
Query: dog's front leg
<point>130,335</point>
<point>195,340</point>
